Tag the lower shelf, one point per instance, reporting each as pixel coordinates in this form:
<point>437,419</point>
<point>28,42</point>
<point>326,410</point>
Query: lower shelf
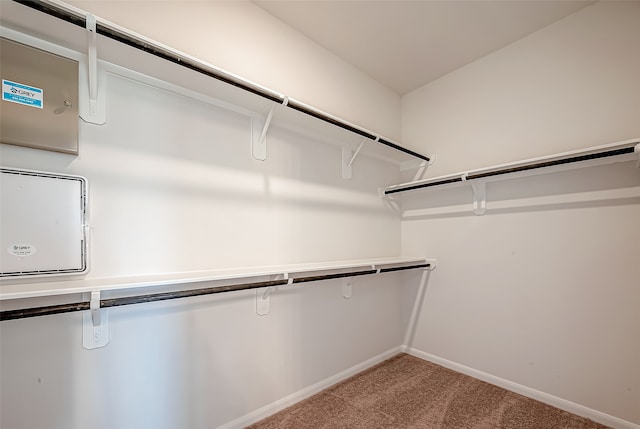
<point>288,274</point>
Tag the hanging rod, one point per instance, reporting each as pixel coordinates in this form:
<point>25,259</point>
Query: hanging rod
<point>163,296</point>
<point>601,152</point>
<point>186,61</point>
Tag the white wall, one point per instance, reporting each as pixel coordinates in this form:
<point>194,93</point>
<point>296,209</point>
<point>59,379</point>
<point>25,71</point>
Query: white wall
<point>548,296</point>
<point>571,85</point>
<point>243,39</point>
<point>197,363</point>
<point>181,173</point>
<point>173,188</point>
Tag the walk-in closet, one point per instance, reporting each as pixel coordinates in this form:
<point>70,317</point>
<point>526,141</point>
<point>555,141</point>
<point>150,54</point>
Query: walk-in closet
<point>319,214</point>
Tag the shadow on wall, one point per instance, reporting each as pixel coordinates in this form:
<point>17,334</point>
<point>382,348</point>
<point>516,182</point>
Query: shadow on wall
<point>176,189</point>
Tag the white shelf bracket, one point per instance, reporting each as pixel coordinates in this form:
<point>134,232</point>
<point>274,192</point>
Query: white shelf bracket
<point>95,324</point>
<point>263,296</point>
<point>479,197</point>
<point>347,170</point>
<point>93,111</point>
<point>92,63</point>
<point>347,287</point>
<point>263,301</point>
<point>94,308</point>
<point>423,167</point>
<point>355,154</point>
<point>348,158</point>
<point>259,139</point>
<point>420,166</point>
<point>390,200</point>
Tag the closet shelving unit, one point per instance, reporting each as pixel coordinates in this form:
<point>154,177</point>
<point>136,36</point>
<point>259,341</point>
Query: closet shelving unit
<point>106,42</point>
<point>101,46</point>
<point>628,150</point>
<point>234,279</point>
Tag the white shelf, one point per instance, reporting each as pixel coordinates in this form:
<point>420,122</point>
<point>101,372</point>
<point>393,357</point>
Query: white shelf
<point>41,30</point>
<point>13,289</point>
<point>529,167</point>
<point>619,152</point>
<point>619,156</point>
<point>54,34</point>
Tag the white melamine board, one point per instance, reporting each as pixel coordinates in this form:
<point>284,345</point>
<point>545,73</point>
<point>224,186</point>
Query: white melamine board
<point>42,224</point>
<point>571,160</point>
<point>32,290</point>
<point>34,27</point>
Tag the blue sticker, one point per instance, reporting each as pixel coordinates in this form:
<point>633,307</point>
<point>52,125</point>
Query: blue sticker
<point>22,94</point>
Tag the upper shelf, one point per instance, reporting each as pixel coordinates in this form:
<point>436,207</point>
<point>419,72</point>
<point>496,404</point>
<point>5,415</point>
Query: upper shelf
<point>66,26</point>
<point>599,155</point>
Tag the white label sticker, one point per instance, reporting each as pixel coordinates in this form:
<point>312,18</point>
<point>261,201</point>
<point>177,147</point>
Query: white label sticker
<point>21,250</point>
<point>22,94</point>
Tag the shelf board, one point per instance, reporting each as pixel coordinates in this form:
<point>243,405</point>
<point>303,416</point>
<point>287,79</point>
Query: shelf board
<point>24,288</point>
<point>599,155</point>
<point>189,73</point>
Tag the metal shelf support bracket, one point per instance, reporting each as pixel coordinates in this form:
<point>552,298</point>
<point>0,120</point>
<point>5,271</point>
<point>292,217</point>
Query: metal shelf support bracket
<point>95,324</point>
<point>259,139</point>
<point>263,296</point>
<point>93,64</point>
<point>424,166</point>
<point>419,165</point>
<point>92,111</point>
<point>348,158</point>
<point>263,301</point>
<point>479,197</point>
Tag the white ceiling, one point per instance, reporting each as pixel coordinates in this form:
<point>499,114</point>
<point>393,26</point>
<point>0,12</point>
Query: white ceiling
<point>405,44</point>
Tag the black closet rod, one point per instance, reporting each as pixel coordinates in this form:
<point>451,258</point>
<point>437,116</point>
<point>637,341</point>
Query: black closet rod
<point>216,74</point>
<point>517,169</point>
<point>163,296</point>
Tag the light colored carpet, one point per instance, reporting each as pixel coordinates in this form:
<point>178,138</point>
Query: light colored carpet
<point>408,392</point>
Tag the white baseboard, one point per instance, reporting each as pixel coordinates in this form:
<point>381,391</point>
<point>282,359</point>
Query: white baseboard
<point>291,399</point>
<point>555,401</point>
